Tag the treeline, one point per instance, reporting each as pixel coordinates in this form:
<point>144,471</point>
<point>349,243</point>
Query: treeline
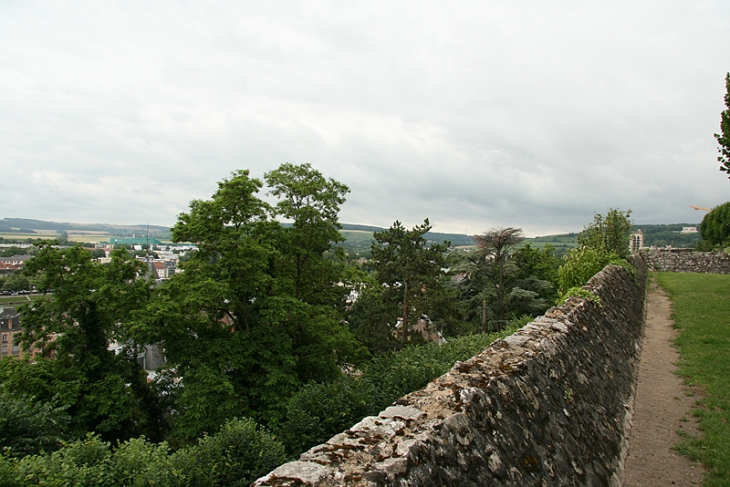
<point>663,235</point>
<point>270,333</point>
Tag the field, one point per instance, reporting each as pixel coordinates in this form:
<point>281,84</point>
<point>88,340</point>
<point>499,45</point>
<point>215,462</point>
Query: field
<point>14,301</point>
<point>702,313</point>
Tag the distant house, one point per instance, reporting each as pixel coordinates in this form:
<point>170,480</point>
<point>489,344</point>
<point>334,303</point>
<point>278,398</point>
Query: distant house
<point>8,265</point>
<point>160,269</point>
<point>15,259</point>
<point>9,330</point>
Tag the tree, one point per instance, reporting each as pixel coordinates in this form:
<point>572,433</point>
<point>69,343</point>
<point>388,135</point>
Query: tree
<point>495,245</point>
<point>409,269</point>
<point>16,282</point>
<point>312,203</point>
<point>715,226</point>
<point>28,427</point>
<point>723,139</point>
<point>252,316</point>
<point>611,234</point>
<point>86,306</point>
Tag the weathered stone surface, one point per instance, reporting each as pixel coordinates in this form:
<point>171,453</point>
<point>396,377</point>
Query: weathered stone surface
<point>546,407</point>
<point>686,260</point>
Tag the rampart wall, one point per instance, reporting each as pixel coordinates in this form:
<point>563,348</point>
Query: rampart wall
<point>547,406</point>
<point>686,260</point>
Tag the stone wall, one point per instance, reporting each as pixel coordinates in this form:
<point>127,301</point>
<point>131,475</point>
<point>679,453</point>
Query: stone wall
<point>547,406</point>
<point>686,260</point>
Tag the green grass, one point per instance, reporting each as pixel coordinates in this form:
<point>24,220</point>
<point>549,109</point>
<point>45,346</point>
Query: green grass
<point>357,236</point>
<point>557,241</point>
<point>702,314</point>
<point>13,301</point>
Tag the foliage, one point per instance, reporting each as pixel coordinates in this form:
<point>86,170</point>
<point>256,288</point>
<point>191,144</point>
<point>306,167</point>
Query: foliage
<point>409,270</point>
<point>318,411</point>
<point>85,307</point>
<point>28,427</point>
<point>528,278</point>
<point>603,242</point>
<point>495,245</point>
<point>256,312</point>
<point>372,320</point>
<point>11,251</point>
<point>312,204</point>
<point>580,265</point>
<point>723,139</point>
<point>611,233</point>
<point>579,292</point>
<point>16,282</point>
<point>236,456</point>
<point>700,305</point>
<point>715,226</point>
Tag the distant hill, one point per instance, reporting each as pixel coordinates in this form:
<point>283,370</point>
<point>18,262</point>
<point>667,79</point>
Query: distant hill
<point>14,228</point>
<point>358,237</point>
<point>669,234</point>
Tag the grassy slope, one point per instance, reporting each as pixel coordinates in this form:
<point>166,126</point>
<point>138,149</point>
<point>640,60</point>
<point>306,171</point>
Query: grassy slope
<point>702,314</point>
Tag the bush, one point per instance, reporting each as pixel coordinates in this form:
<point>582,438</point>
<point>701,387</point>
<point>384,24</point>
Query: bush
<point>319,411</point>
<point>580,265</point>
<point>29,427</point>
<point>236,456</point>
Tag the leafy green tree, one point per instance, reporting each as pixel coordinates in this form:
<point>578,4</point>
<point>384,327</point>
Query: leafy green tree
<point>17,282</point>
<point>87,306</point>
<point>251,317</point>
<point>320,410</point>
<point>312,204</point>
<point>715,226</point>
<point>611,233</point>
<point>723,139</point>
<point>28,426</point>
<point>410,270</point>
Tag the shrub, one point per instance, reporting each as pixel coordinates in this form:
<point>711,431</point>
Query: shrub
<point>580,265</point>
<point>318,411</point>
<point>29,427</point>
<point>234,457</point>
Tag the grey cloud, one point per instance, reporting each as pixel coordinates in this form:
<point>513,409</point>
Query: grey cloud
<point>474,114</point>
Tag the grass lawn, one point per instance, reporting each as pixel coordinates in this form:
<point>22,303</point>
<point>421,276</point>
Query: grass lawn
<point>702,314</point>
<point>14,301</point>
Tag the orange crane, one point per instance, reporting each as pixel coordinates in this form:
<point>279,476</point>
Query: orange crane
<point>701,208</point>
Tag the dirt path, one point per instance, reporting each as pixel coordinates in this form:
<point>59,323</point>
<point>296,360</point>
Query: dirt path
<point>662,407</point>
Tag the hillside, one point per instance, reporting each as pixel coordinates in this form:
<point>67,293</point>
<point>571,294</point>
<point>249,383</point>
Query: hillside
<point>358,237</point>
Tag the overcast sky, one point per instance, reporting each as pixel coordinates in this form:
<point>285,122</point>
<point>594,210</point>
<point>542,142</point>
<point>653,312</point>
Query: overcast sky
<point>474,114</point>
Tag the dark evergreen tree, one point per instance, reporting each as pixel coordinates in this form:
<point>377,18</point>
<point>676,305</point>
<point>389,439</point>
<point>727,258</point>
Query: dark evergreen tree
<point>410,271</point>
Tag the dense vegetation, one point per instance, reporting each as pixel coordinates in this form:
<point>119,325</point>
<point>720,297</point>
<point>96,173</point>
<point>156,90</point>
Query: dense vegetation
<point>265,356</point>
